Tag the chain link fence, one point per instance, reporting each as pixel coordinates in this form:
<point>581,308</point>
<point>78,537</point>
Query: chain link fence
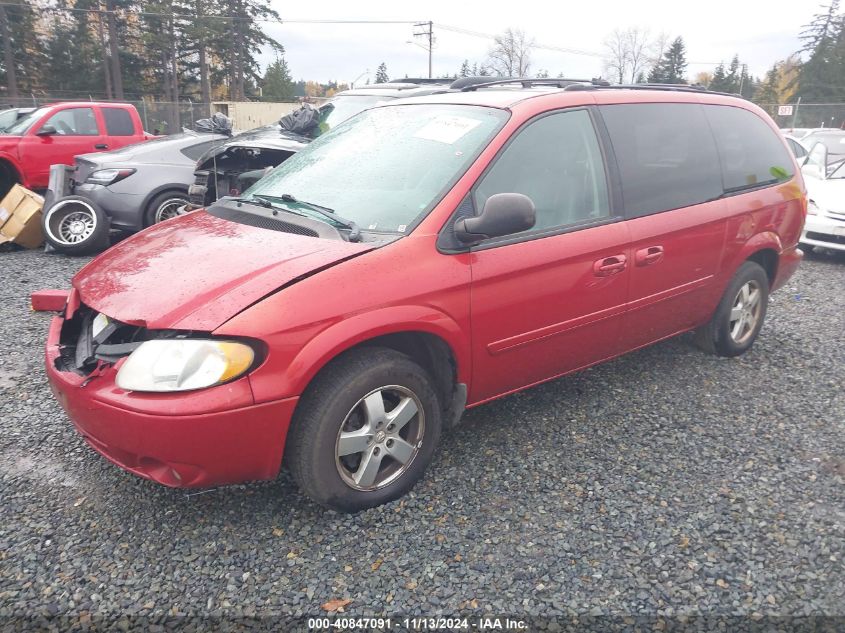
<point>168,117</point>
<point>807,115</point>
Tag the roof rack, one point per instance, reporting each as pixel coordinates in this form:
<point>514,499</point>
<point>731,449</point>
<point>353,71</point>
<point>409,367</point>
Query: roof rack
<point>473,83</point>
<point>528,82</point>
<point>652,86</point>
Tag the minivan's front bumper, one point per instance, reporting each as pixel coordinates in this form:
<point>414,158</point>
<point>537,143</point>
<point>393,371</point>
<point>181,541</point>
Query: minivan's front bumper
<point>179,440</point>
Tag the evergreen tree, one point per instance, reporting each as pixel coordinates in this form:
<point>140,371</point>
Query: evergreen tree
<point>672,67</point>
<point>821,77</point>
<point>21,55</point>
<point>767,92</point>
<point>381,74</point>
<point>465,70</point>
<point>278,84</point>
<point>74,57</point>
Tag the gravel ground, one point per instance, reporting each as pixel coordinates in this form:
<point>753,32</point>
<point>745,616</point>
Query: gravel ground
<point>664,483</point>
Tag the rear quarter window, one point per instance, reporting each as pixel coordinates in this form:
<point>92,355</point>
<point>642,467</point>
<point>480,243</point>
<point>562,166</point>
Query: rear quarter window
<point>752,153</point>
<point>118,122</point>
<point>666,156</point>
<point>195,151</point>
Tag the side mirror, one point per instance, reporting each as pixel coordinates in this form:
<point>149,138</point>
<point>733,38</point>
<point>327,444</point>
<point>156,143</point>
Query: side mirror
<point>47,130</point>
<point>503,214</point>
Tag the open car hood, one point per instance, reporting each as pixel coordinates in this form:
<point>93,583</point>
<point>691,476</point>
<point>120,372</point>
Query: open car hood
<point>198,271</point>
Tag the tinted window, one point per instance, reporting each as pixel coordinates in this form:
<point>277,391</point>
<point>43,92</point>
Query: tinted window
<point>666,155</point>
<point>195,151</point>
<point>74,122</point>
<point>557,163</point>
<point>796,148</point>
<point>752,153</point>
<point>118,122</point>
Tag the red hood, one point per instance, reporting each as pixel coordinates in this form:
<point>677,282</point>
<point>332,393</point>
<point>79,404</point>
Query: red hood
<point>198,271</point>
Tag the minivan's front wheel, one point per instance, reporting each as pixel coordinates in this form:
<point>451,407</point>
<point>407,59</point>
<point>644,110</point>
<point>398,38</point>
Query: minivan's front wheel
<point>364,431</point>
<point>740,314</point>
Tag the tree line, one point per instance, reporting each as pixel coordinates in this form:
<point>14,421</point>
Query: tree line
<point>208,49</point>
<point>815,73</point>
<point>122,49</point>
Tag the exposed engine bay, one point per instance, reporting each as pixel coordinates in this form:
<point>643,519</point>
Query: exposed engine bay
<point>233,172</point>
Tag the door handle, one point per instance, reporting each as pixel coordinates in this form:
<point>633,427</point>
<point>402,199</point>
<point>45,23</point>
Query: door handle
<point>608,266</point>
<point>101,146</point>
<point>650,255</point>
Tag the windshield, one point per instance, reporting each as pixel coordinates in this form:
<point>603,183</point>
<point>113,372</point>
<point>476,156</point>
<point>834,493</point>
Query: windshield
<point>341,108</point>
<point>7,117</point>
<point>26,122</point>
<point>387,167</point>
<point>834,142</point>
<point>838,170</point>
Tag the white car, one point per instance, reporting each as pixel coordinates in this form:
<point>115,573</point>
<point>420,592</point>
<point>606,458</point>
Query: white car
<point>825,225</point>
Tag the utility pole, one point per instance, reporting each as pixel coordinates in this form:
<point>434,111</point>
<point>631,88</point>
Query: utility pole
<point>742,74</point>
<point>429,34</point>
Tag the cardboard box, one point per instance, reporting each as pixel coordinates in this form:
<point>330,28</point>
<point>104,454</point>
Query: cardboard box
<point>20,218</point>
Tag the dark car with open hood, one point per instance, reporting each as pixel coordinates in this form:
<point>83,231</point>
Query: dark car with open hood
<point>425,256</point>
<point>236,165</point>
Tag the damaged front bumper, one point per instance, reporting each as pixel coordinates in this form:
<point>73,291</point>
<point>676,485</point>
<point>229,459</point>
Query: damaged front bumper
<point>201,438</point>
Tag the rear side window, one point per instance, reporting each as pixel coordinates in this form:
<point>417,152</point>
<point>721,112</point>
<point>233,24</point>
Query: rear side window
<point>752,153</point>
<point>195,151</point>
<point>797,149</point>
<point>118,122</point>
<point>666,156</point>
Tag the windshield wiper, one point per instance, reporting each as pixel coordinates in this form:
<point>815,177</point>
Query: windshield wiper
<point>354,229</point>
<point>254,200</point>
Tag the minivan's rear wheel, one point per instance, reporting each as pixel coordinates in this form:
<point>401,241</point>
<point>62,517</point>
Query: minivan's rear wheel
<point>76,225</point>
<point>364,431</point>
<point>740,314</point>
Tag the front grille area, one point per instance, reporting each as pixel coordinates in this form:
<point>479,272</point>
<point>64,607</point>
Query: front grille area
<point>824,237</point>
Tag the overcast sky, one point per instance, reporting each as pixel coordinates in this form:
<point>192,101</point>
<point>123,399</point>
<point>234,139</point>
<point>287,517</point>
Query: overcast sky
<point>761,32</point>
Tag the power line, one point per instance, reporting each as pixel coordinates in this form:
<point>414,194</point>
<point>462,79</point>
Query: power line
<point>284,21</point>
<point>548,47</point>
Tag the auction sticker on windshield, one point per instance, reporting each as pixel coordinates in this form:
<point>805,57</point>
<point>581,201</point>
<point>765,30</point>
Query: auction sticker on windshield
<point>447,129</point>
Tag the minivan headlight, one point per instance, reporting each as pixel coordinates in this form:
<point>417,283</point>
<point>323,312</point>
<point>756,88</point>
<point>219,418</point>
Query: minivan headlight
<point>165,365</point>
<point>108,176</point>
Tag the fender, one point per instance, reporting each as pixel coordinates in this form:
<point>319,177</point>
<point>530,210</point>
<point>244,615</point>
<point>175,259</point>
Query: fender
<point>171,186</point>
<point>758,242</point>
<point>343,335</point>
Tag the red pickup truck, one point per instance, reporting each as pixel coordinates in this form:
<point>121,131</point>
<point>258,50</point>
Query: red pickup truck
<point>54,134</point>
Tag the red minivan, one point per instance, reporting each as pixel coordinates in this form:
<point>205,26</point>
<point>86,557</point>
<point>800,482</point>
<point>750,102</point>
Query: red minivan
<point>426,256</point>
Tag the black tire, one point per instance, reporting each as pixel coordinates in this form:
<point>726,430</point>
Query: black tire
<point>7,178</point>
<point>333,401</point>
<point>718,335</point>
<point>94,238</point>
<point>158,201</point>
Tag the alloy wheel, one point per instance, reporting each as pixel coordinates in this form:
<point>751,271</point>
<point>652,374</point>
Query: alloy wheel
<point>71,223</point>
<point>170,208</point>
<point>379,438</point>
<point>745,312</point>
